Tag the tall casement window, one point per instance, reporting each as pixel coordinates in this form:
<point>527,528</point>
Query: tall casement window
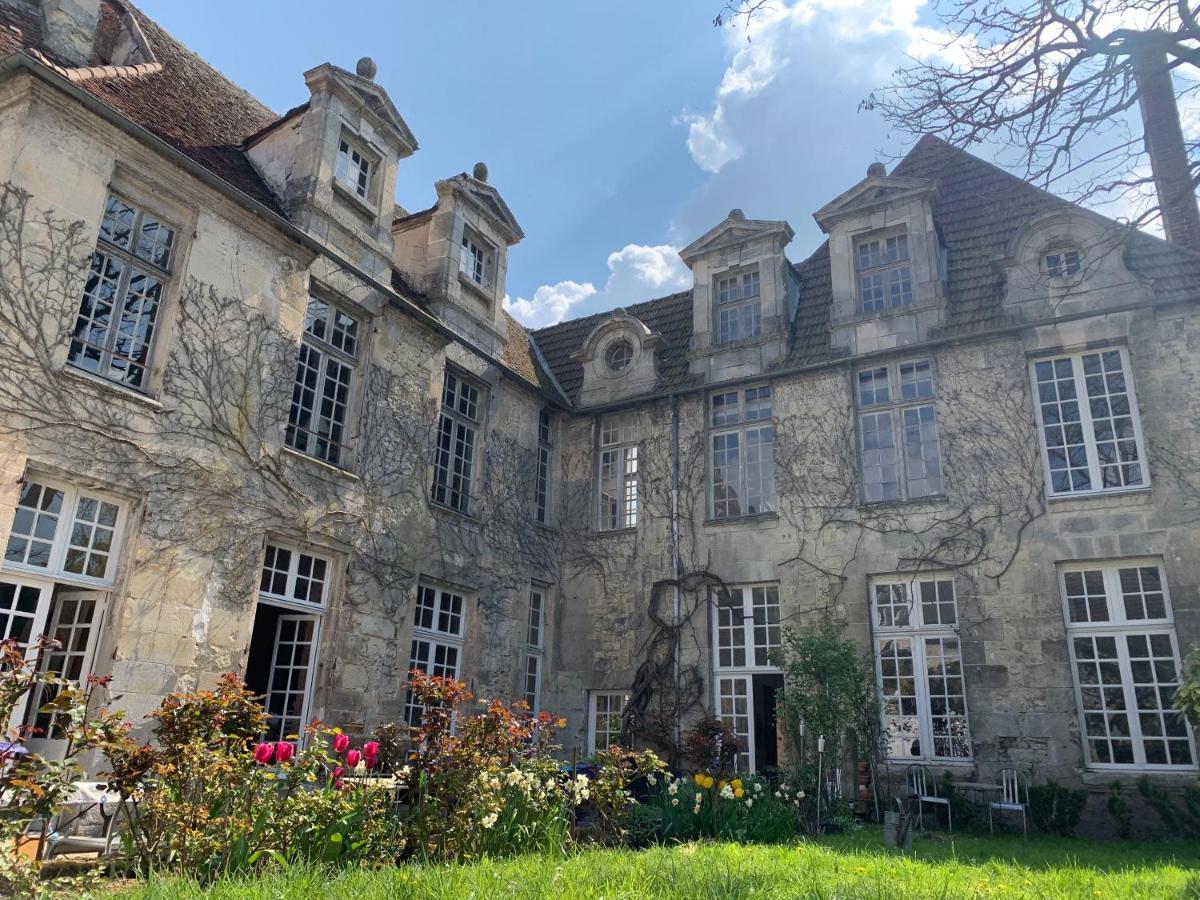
<point>743,459</point>
<point>477,259</point>
<point>458,432</point>
<point>746,629</point>
<point>122,300</point>
<point>1125,658</point>
<point>318,419</point>
<point>535,648</point>
<point>738,309</point>
<point>1091,434</point>
<point>605,709</point>
<point>884,272</point>
<point>354,168</point>
<point>920,670</point>
<point>293,596</point>
<point>58,569</point>
<point>617,465</point>
<point>545,453</point>
<point>439,620</point>
<point>897,432</point>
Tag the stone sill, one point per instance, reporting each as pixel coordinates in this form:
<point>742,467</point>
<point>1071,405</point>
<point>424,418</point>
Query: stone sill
<point>935,500</point>
<point>361,205</point>
<point>1101,499</point>
<point>453,515</point>
<point>1179,777</point>
<point>614,532</point>
<point>323,467</point>
<point>891,312</point>
<point>752,519</point>
<point>480,292</point>
<point>111,387</point>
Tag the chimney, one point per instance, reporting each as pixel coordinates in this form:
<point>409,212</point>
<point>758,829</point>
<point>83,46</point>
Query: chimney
<point>1164,143</point>
<point>70,29</point>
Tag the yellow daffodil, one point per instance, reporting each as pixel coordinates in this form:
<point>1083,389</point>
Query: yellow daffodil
<point>738,792</point>
<point>708,781</point>
<point>737,784</point>
<point>699,779</point>
<point>721,785</point>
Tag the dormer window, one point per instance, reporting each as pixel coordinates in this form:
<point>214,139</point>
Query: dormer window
<point>884,272</point>
<point>354,169</point>
<point>476,259</point>
<point>738,308</point>
<point>1063,263</point>
<point>618,355</point>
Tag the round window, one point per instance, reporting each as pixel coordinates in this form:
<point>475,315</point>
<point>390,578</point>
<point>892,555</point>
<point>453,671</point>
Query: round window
<point>618,355</point>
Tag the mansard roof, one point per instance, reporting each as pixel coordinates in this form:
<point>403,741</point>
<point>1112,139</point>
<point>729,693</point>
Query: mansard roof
<point>978,208</point>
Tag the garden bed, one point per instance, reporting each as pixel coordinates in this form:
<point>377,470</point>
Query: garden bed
<point>847,866</point>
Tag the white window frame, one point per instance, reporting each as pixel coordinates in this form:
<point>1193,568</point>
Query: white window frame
<point>898,408</point>
<point>918,633</point>
<point>477,259</point>
<point>459,425</point>
<point>1086,423</point>
<point>617,454</point>
<point>535,647</point>
<point>737,305</point>
<point>330,356</point>
<point>131,259</point>
<point>543,482</point>
<point>728,688</point>
<point>593,730</point>
<point>60,541</point>
<point>449,637</point>
<point>888,269</point>
<point>1119,626</point>
<point>730,430</point>
<point>351,172</point>
<point>760,634</point>
<point>298,611</point>
<point>1063,262</point>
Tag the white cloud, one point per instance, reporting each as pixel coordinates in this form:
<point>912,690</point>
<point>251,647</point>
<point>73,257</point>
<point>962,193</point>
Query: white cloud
<point>715,138</point>
<point>636,272</point>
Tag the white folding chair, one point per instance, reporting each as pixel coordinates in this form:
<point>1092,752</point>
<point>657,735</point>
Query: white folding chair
<point>89,797</point>
<point>919,785</point>
<point>1010,798</point>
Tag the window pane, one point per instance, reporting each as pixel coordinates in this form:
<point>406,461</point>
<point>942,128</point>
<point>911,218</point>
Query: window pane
<point>898,697</point>
<point>1117,450</point>
<point>922,452</point>
<point>878,458</point>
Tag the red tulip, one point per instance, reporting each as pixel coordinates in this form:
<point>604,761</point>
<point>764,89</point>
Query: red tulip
<point>352,758</point>
<point>371,753</point>
<point>284,751</point>
<point>340,743</point>
<point>263,753</point>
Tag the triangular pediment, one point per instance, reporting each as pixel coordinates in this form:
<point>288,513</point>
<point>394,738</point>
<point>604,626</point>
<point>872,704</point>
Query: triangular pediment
<point>872,192</point>
<point>374,99</point>
<point>489,199</point>
<point>735,229</point>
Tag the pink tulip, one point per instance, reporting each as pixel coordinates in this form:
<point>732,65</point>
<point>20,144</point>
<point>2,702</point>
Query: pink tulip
<point>352,758</point>
<point>340,743</point>
<point>263,753</point>
<point>284,751</point>
<point>371,753</point>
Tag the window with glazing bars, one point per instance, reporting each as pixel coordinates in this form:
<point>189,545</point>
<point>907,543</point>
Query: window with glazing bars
<point>458,430</point>
<point>535,649</point>
<point>1125,659</point>
<point>541,486</point>
<point>318,419</point>
<point>900,452</point>
<point>353,168</point>
<point>437,640</point>
<point>1088,417</point>
<point>618,475</point>
<point>919,665</point>
<point>742,457</point>
<point>884,272</point>
<point>748,627</point>
<point>738,308</point>
<point>122,299</point>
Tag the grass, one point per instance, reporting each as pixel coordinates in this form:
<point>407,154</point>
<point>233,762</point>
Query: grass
<point>847,866</point>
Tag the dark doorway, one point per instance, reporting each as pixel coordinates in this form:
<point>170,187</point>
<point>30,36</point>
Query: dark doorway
<point>766,752</point>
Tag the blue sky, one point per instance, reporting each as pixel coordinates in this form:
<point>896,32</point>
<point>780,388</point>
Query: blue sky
<point>617,132</point>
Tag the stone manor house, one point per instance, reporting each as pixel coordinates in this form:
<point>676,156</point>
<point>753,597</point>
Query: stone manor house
<point>256,417</point>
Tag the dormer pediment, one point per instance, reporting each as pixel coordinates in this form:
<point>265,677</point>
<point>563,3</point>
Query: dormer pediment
<point>488,201</point>
<point>618,359</point>
<point>736,230</point>
<point>872,192</point>
<point>369,98</point>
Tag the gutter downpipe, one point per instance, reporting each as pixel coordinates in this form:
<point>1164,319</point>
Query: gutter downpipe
<point>675,609</point>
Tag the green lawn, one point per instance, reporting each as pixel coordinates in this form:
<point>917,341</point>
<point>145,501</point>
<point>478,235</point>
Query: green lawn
<point>848,866</point>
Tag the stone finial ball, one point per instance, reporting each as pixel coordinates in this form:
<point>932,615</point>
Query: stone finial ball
<point>876,170</point>
<point>737,214</point>
<point>479,172</point>
<point>366,68</point>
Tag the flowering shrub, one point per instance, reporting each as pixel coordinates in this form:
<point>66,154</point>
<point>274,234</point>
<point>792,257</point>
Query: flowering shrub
<point>745,808</point>
<point>611,797</point>
<point>205,801</point>
<point>711,745</point>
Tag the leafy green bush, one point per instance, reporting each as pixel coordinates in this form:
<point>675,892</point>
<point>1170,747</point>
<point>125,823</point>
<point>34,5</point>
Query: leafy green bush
<point>1180,815</point>
<point>746,809</point>
<point>1054,809</point>
<point>1118,807</point>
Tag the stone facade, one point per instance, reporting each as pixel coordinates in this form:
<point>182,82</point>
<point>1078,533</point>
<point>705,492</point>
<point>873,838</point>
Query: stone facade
<point>651,497</point>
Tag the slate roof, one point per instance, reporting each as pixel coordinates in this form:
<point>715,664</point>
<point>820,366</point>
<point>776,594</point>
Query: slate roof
<point>979,209</point>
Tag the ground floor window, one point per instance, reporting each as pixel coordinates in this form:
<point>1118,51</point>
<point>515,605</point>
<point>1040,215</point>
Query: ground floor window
<point>605,711</point>
<point>437,640</point>
<point>1125,661</point>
